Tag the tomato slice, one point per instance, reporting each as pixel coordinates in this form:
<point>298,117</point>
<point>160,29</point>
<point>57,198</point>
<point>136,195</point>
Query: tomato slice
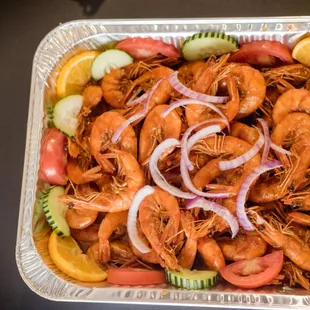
<point>53,158</point>
<point>263,53</point>
<point>135,276</point>
<point>254,273</point>
<point>141,48</point>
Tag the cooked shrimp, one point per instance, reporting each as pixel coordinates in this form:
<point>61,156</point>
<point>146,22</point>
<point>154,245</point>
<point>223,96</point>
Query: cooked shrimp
<point>232,107</point>
<point>246,245</point>
<point>88,234</point>
<point>160,96</point>
<point>151,257</point>
<point>300,218</point>
<point>73,148</point>
<point>120,251</point>
<point>145,82</point>
<point>307,85</point>
<point>190,71</point>
<point>203,83</point>
<point>229,147</point>
<point>294,100</point>
<point>295,275</point>
<point>299,200</point>
<point>78,172</point>
<point>294,131</point>
<point>296,74</point>
<point>282,237</point>
<point>92,95</point>
<point>109,224</point>
<point>80,219</point>
<point>252,88</point>
<point>117,84</point>
<point>154,211</point>
<point>170,161</point>
<point>129,180</point>
<point>157,129</point>
<point>211,253</point>
<point>100,138</point>
<point>93,252</point>
<point>188,252</point>
<point>205,76</point>
<point>244,132</point>
<point>267,190</point>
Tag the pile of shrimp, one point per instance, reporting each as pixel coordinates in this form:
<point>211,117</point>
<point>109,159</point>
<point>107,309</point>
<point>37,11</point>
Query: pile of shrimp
<point>105,176</point>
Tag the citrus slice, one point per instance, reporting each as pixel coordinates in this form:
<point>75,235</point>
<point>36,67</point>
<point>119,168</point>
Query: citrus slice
<point>75,74</point>
<point>69,258</point>
<point>301,52</point>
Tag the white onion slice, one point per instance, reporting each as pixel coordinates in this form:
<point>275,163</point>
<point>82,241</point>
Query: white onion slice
<point>279,149</point>
<point>156,174</point>
<point>201,134</point>
<point>137,100</point>
<point>184,147</point>
<point>267,139</point>
<point>184,102</point>
<point>136,116</point>
<point>182,89</point>
<point>240,160</point>
<point>242,195</point>
<point>189,184</point>
<point>217,209</point>
<point>132,218</point>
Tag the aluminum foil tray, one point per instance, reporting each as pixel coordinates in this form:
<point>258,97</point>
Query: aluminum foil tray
<point>32,257</point>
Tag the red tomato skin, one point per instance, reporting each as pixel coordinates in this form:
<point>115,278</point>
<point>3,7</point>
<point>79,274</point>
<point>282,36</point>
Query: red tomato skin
<point>141,48</point>
<point>53,158</point>
<point>132,276</point>
<point>230,272</point>
<point>262,53</point>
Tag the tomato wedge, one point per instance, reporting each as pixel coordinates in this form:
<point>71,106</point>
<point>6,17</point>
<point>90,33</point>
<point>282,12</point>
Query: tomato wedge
<point>135,276</point>
<point>141,48</point>
<point>53,158</point>
<point>263,53</point>
<point>254,273</point>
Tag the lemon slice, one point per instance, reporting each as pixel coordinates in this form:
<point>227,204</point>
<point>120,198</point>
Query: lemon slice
<point>69,258</point>
<point>75,74</point>
<point>301,52</point>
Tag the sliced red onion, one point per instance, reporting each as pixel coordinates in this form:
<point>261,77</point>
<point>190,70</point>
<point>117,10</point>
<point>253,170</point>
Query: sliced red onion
<point>132,218</point>
<point>280,149</point>
<point>266,138</point>
<point>217,209</point>
<point>137,100</point>
<point>201,134</point>
<point>240,160</point>
<point>136,116</point>
<point>158,177</point>
<point>242,195</point>
<point>188,183</point>
<point>179,87</point>
<point>204,132</point>
<point>184,102</point>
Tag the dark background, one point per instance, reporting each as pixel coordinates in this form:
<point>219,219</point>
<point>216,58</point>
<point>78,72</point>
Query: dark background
<point>23,24</point>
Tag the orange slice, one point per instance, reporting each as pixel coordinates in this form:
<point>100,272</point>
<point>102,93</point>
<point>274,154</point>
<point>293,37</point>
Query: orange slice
<point>75,74</point>
<point>69,258</point>
<point>301,51</point>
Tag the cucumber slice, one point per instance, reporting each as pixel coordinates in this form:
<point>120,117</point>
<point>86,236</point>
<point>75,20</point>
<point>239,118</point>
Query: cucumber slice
<point>55,210</point>
<point>109,60</point>
<point>65,114</point>
<point>204,44</point>
<point>192,280</point>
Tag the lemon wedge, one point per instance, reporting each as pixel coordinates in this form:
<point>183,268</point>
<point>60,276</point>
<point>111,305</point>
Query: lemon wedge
<point>301,51</point>
<point>75,74</point>
<point>69,258</point>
